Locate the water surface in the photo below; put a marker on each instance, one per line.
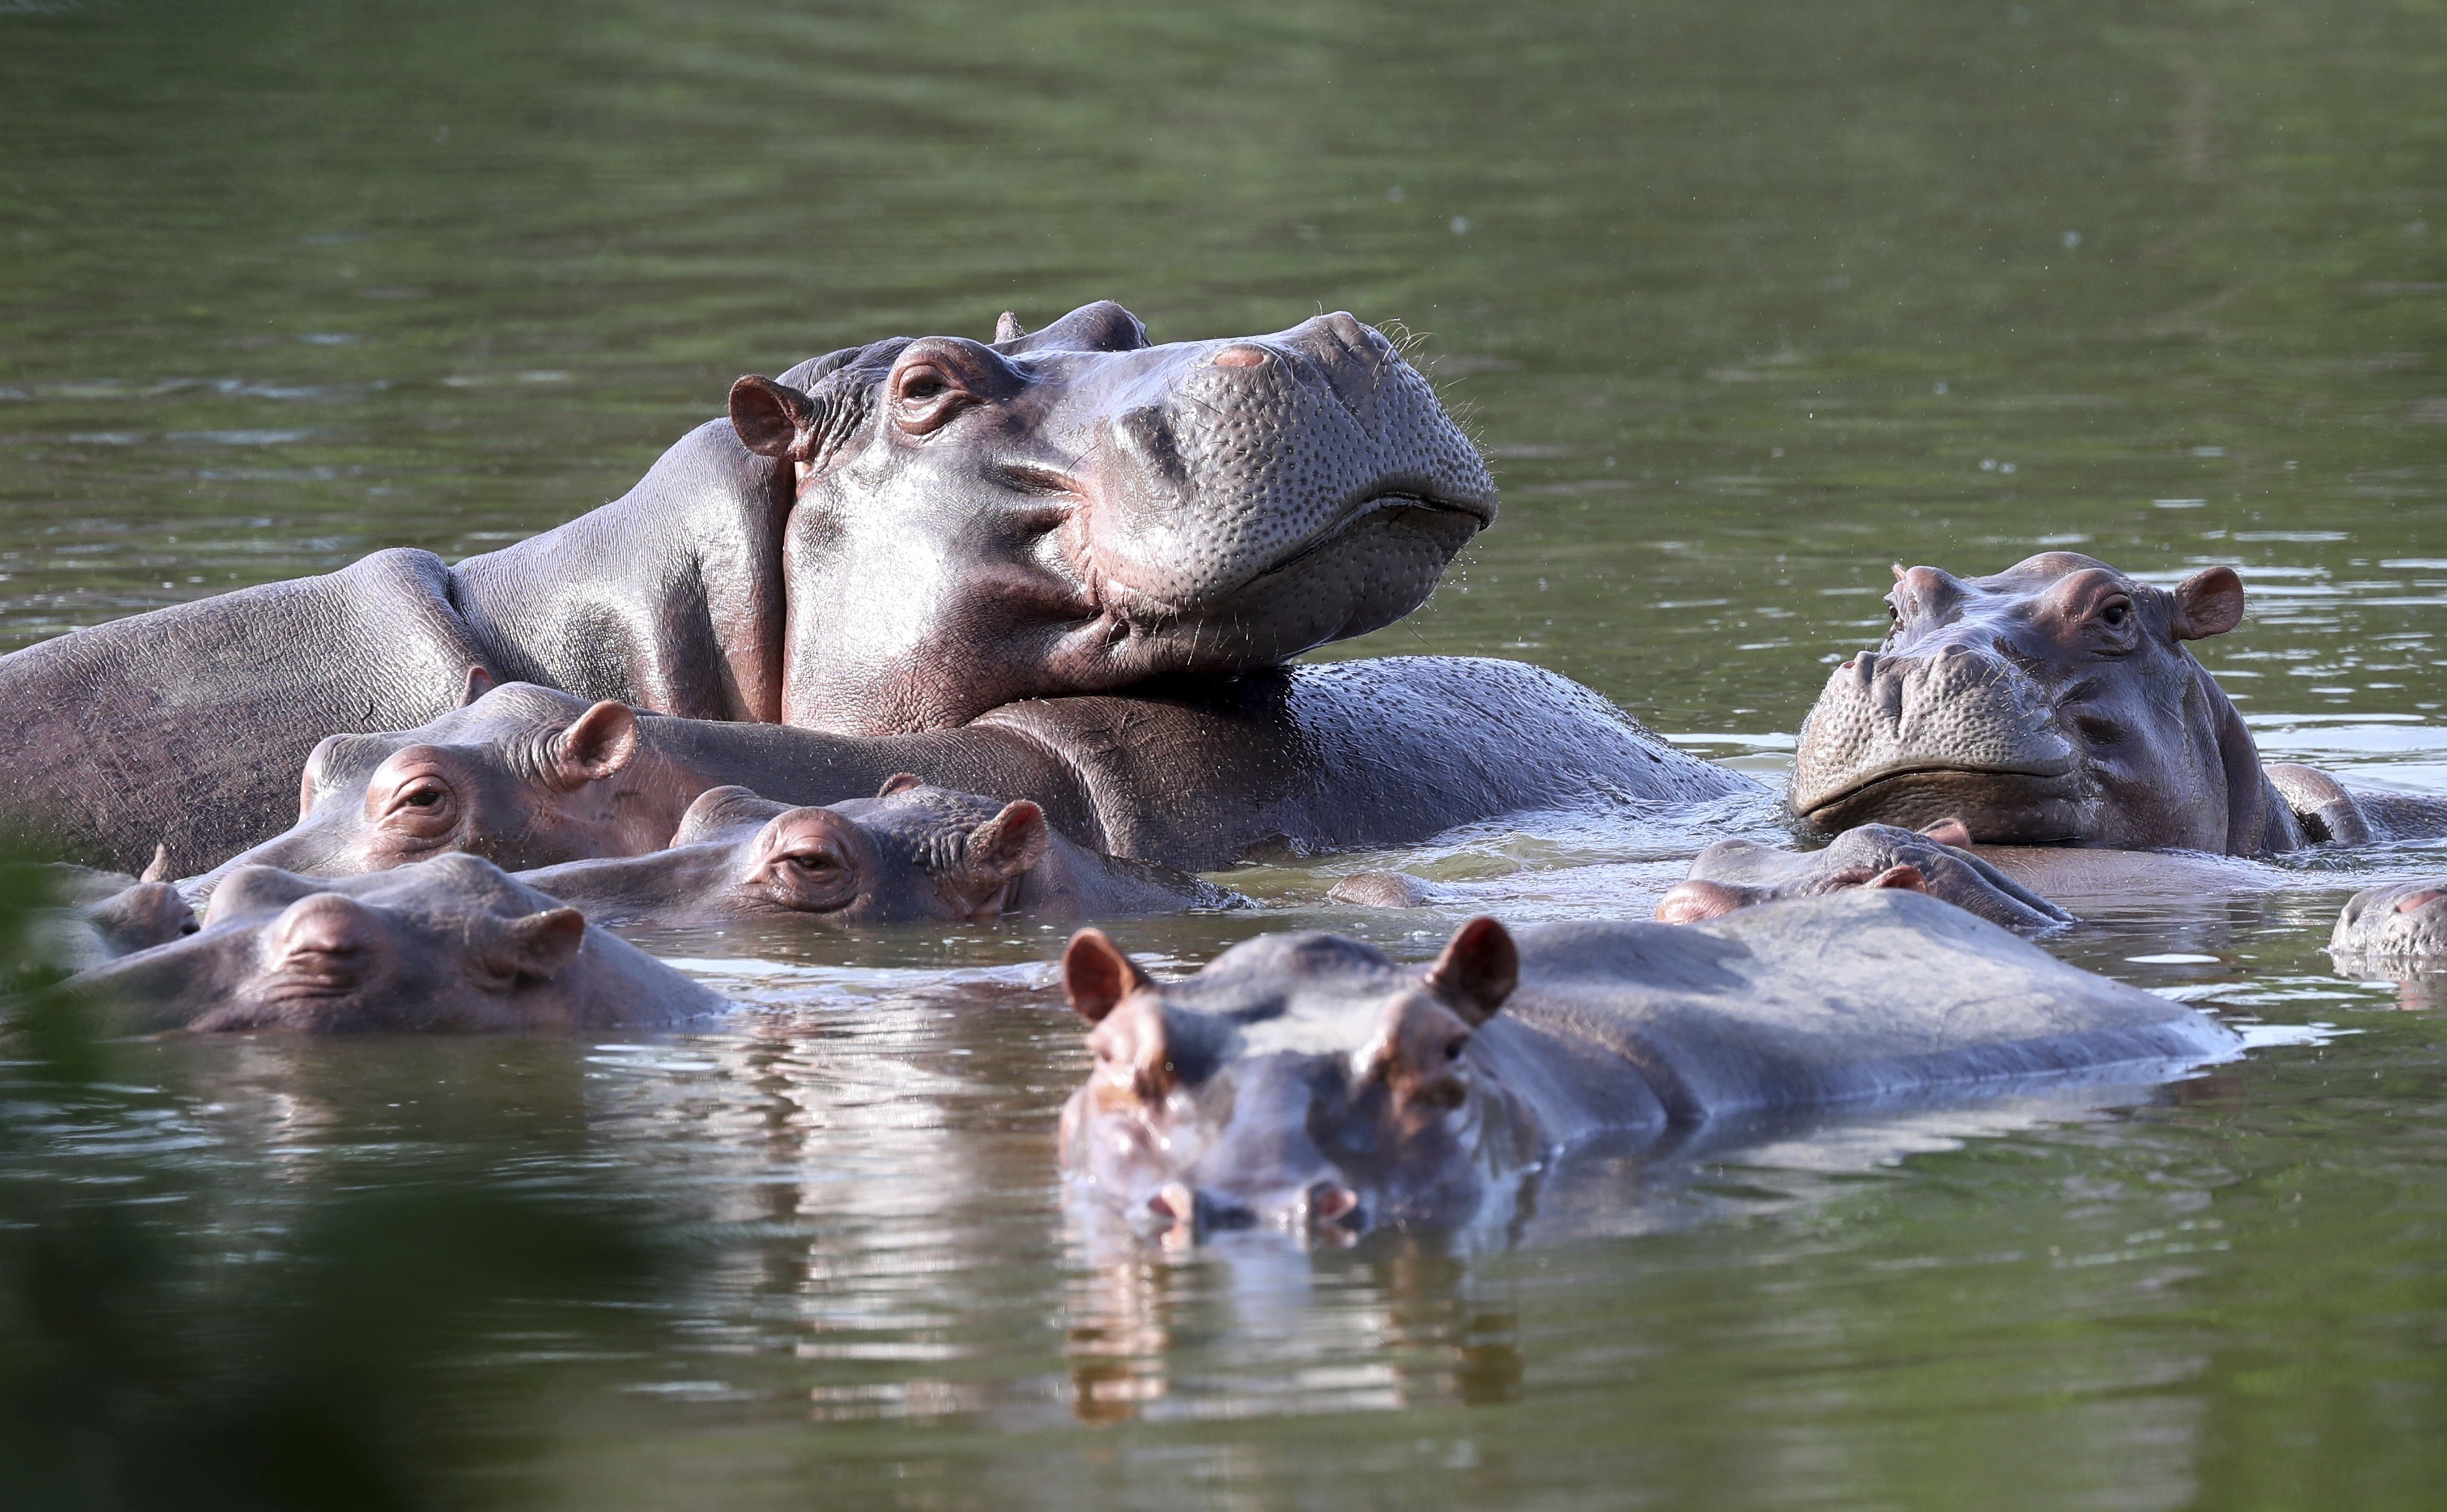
(1745, 304)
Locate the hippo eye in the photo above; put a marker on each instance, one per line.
(923, 384)
(424, 797)
(1452, 1052)
(815, 863)
(2114, 615)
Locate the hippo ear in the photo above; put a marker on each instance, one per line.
(900, 783)
(1690, 901)
(538, 947)
(480, 682)
(1101, 327)
(1949, 831)
(1478, 969)
(1006, 846)
(1007, 328)
(158, 869)
(1096, 974)
(772, 420)
(2208, 603)
(597, 744)
(1904, 877)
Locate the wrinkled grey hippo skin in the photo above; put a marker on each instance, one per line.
(2401, 921)
(2055, 702)
(897, 536)
(97, 916)
(911, 853)
(1318, 757)
(1736, 874)
(452, 944)
(1307, 1082)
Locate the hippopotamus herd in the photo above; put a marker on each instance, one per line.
(941, 630)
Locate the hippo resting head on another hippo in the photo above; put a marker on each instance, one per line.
(452, 943)
(894, 538)
(1307, 1082)
(2056, 703)
(911, 853)
(1095, 510)
(1734, 874)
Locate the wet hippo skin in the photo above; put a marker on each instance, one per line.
(2401, 923)
(449, 944)
(894, 538)
(1735, 873)
(2056, 703)
(1307, 1082)
(911, 853)
(1349, 753)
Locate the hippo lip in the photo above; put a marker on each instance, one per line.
(1482, 513)
(1816, 806)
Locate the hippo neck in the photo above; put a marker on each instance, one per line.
(669, 598)
(2258, 820)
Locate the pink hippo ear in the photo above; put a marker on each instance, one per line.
(1477, 972)
(480, 682)
(1009, 843)
(773, 420)
(1096, 974)
(1692, 900)
(1949, 831)
(597, 744)
(1904, 876)
(537, 947)
(900, 783)
(2208, 603)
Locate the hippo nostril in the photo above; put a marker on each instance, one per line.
(1242, 357)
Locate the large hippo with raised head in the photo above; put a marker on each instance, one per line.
(1307, 1082)
(893, 537)
(2054, 704)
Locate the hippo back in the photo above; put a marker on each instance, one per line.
(1858, 995)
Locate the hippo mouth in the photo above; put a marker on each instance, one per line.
(1394, 502)
(2023, 806)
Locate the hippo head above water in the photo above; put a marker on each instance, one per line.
(1079, 510)
(1301, 1082)
(450, 944)
(2053, 703)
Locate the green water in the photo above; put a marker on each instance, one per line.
(1745, 302)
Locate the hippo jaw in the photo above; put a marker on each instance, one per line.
(1095, 511)
(2051, 704)
(1248, 1098)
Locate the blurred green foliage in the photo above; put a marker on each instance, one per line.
(146, 1362)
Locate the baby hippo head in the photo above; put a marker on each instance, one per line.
(1736, 874)
(2406, 920)
(1300, 1082)
(523, 776)
(913, 853)
(453, 943)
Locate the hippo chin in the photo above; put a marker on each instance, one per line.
(910, 854)
(896, 537)
(1343, 754)
(1736, 874)
(450, 944)
(2056, 703)
(1305, 1082)
(2403, 922)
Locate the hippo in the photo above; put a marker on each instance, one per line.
(1309, 757)
(1307, 1082)
(453, 943)
(892, 538)
(1735, 873)
(2398, 922)
(2054, 704)
(96, 917)
(911, 853)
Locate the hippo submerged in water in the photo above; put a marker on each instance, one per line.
(1307, 1082)
(450, 944)
(911, 853)
(1346, 754)
(1736, 874)
(892, 538)
(2400, 923)
(2054, 704)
